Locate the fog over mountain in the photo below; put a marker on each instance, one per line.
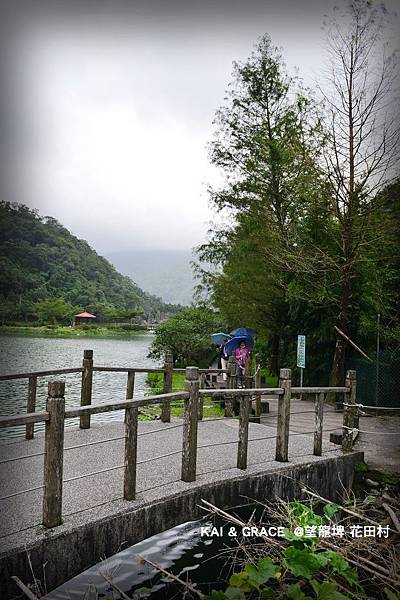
(165, 273)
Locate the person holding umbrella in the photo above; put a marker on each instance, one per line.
(222, 361)
(242, 354)
(219, 339)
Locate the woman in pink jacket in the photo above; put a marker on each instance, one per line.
(242, 353)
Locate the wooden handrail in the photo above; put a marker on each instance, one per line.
(94, 409)
(100, 369)
(203, 370)
(241, 391)
(130, 369)
(13, 420)
(319, 390)
(56, 414)
(40, 373)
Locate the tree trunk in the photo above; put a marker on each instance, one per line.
(339, 358)
(274, 364)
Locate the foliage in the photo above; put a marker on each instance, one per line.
(291, 256)
(268, 146)
(302, 571)
(43, 264)
(55, 310)
(187, 335)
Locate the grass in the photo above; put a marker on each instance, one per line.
(65, 332)
(156, 382)
(212, 409)
(270, 380)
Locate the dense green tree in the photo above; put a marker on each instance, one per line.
(267, 145)
(385, 255)
(187, 335)
(55, 310)
(294, 254)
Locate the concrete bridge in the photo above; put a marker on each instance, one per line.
(69, 498)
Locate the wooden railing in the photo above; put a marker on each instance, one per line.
(87, 370)
(192, 395)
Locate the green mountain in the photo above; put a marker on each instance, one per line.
(41, 260)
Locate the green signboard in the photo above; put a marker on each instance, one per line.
(301, 351)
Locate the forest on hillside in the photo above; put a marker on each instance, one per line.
(47, 274)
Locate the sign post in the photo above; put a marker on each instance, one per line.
(301, 355)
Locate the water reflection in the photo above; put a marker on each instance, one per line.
(178, 548)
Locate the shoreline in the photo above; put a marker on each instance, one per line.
(66, 332)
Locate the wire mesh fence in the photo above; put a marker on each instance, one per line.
(378, 382)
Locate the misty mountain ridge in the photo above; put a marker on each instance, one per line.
(41, 259)
(163, 273)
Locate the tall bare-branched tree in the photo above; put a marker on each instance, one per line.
(363, 138)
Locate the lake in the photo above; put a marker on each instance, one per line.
(26, 354)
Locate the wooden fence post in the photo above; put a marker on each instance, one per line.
(231, 384)
(319, 417)
(130, 385)
(282, 434)
(243, 432)
(201, 398)
(86, 389)
(168, 372)
(189, 447)
(131, 433)
(53, 455)
(349, 415)
(31, 406)
(247, 376)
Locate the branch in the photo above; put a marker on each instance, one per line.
(186, 584)
(25, 589)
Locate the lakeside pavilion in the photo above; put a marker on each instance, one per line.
(84, 317)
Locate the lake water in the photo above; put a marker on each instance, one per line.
(26, 354)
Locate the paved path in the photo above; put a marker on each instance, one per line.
(85, 490)
(24, 510)
(381, 443)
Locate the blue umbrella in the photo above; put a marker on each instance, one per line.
(234, 343)
(220, 338)
(244, 331)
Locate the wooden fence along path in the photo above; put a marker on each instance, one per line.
(192, 397)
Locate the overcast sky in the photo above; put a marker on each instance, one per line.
(108, 107)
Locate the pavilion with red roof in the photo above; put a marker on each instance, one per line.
(85, 316)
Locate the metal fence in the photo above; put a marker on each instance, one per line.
(378, 382)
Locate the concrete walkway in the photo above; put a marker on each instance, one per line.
(87, 489)
(379, 437)
(23, 511)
